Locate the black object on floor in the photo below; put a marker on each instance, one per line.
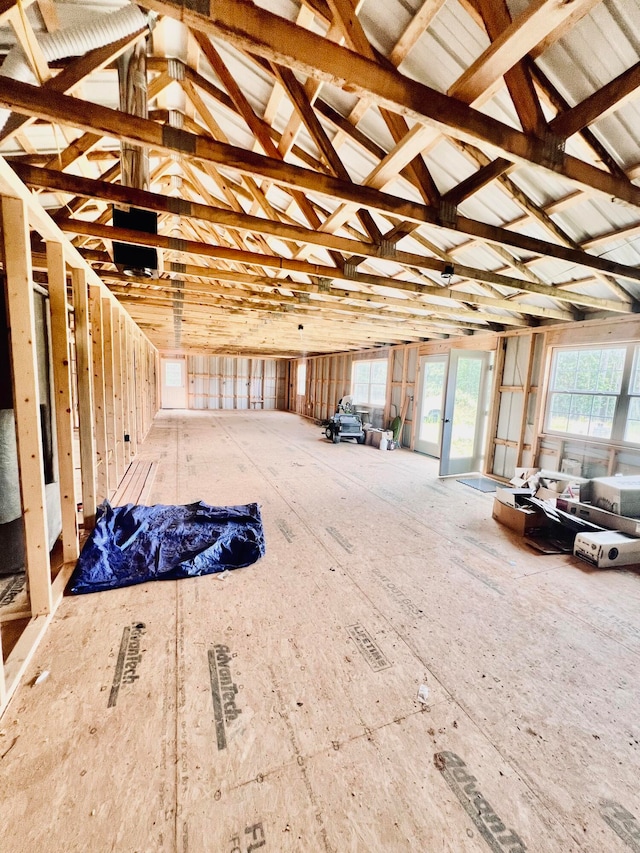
(550, 541)
(133, 544)
(482, 484)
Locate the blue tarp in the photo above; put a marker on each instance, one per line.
(133, 544)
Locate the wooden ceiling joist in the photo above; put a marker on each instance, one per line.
(173, 141)
(253, 29)
(279, 197)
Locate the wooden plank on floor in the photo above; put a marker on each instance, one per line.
(136, 484)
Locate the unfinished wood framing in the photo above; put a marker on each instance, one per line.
(21, 317)
(85, 396)
(63, 400)
(109, 393)
(118, 394)
(235, 383)
(99, 403)
(335, 189)
(77, 344)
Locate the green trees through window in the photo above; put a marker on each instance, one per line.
(591, 393)
(369, 382)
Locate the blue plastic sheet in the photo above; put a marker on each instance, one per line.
(134, 544)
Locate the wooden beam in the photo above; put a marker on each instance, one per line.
(100, 423)
(395, 323)
(334, 301)
(292, 265)
(250, 28)
(49, 15)
(9, 8)
(109, 394)
(540, 18)
(485, 175)
(73, 74)
(497, 20)
(85, 396)
(126, 389)
(237, 21)
(26, 399)
(60, 356)
(602, 103)
(346, 19)
(374, 199)
(560, 104)
(205, 283)
(118, 396)
(29, 44)
(418, 25)
(246, 111)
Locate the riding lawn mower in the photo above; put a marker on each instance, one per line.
(346, 423)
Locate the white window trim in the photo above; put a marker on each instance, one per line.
(301, 370)
(369, 403)
(623, 397)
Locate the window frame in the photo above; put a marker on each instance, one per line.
(301, 374)
(623, 398)
(369, 403)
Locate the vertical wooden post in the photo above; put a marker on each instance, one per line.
(541, 395)
(117, 393)
(126, 386)
(100, 421)
(85, 396)
(21, 315)
(526, 390)
(109, 407)
(3, 686)
(494, 409)
(133, 366)
(63, 406)
(263, 370)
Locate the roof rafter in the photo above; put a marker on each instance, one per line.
(77, 186)
(256, 30)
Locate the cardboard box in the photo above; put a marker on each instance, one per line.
(374, 436)
(522, 519)
(620, 495)
(607, 549)
(513, 497)
(610, 520)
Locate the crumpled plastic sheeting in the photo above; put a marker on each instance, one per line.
(134, 544)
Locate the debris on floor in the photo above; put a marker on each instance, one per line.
(133, 544)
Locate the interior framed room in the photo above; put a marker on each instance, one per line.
(247, 249)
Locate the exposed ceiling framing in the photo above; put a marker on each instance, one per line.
(330, 175)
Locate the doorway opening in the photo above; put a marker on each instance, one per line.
(454, 407)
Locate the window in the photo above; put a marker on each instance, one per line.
(632, 425)
(301, 378)
(595, 393)
(369, 382)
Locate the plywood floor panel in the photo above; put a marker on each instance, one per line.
(80, 772)
(378, 578)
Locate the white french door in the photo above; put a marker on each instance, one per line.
(433, 377)
(466, 409)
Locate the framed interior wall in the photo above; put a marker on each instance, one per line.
(592, 457)
(83, 395)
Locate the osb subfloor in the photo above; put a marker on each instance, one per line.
(378, 578)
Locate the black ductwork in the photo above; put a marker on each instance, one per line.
(129, 258)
